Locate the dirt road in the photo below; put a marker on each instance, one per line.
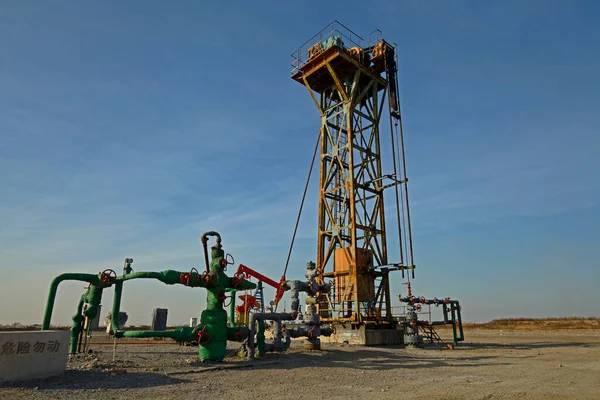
(490, 365)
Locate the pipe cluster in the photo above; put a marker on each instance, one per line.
(278, 344)
(211, 334)
(451, 312)
(311, 328)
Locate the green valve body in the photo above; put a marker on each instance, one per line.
(92, 296)
(215, 316)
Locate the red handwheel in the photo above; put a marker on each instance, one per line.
(203, 337)
(108, 276)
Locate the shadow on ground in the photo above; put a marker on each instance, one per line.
(355, 358)
(394, 357)
(361, 359)
(80, 380)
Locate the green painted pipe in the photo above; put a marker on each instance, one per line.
(260, 338)
(90, 278)
(454, 324)
(76, 328)
(168, 277)
(114, 318)
(181, 334)
(232, 307)
(93, 297)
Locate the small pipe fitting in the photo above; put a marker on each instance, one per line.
(204, 240)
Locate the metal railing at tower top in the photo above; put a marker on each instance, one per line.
(329, 34)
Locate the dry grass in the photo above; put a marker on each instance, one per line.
(530, 324)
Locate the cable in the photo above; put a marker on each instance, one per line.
(395, 157)
(404, 226)
(406, 193)
(312, 163)
(403, 220)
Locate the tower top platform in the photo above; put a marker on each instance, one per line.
(342, 50)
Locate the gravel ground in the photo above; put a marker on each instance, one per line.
(490, 365)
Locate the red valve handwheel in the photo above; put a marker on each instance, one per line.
(108, 276)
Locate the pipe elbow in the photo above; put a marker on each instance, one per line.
(205, 235)
(327, 331)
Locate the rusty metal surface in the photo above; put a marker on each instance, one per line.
(314, 46)
(350, 223)
(346, 84)
(319, 78)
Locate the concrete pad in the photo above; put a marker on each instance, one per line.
(375, 337)
(32, 354)
(365, 336)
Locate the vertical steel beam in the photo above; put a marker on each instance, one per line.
(351, 208)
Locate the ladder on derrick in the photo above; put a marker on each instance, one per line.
(260, 296)
(430, 334)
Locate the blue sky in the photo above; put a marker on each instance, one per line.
(129, 128)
